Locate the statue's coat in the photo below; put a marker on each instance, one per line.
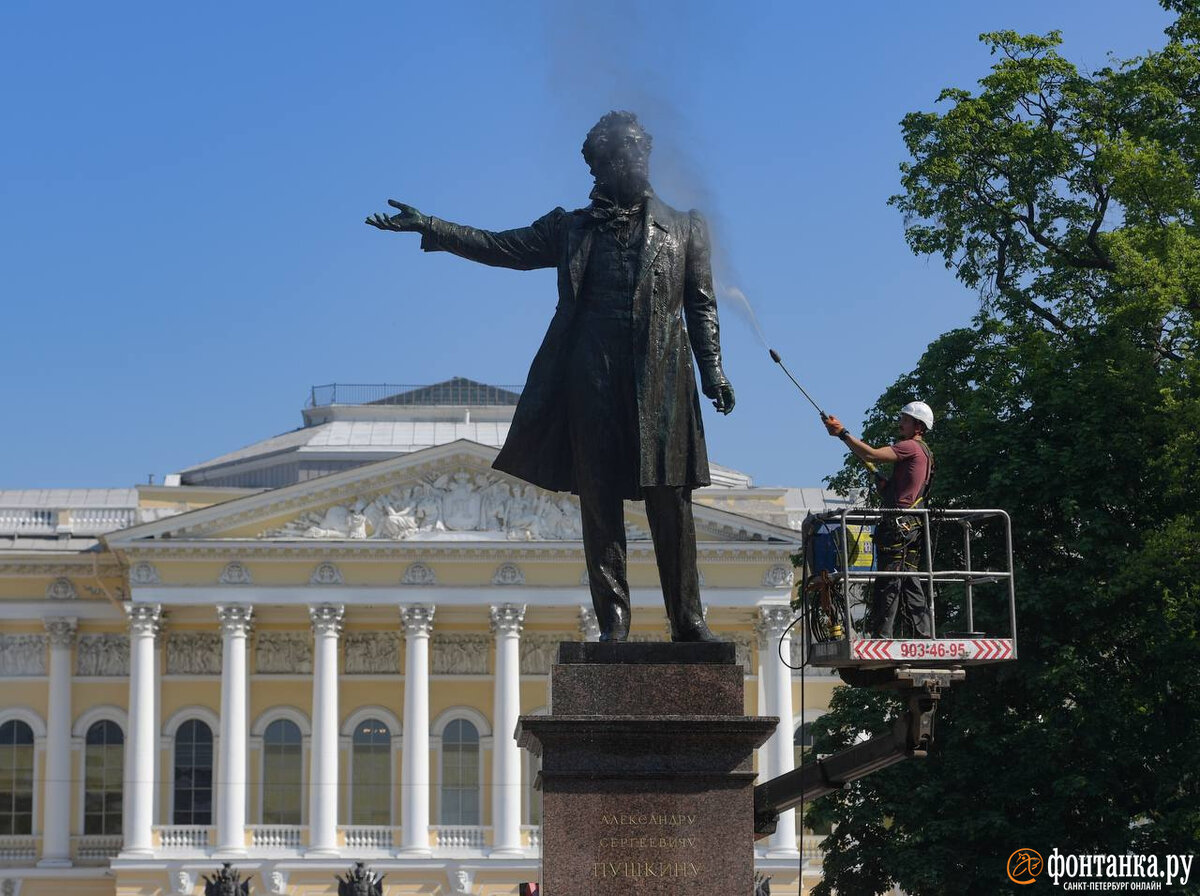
(674, 285)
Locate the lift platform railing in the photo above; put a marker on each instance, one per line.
(846, 580)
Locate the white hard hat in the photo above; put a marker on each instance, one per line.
(919, 410)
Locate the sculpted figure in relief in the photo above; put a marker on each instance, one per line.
(22, 654)
(370, 653)
(460, 655)
(284, 653)
(193, 653)
(102, 655)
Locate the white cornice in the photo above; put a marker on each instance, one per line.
(371, 551)
(439, 595)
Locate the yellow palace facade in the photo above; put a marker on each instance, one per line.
(313, 651)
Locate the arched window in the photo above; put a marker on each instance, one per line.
(193, 773)
(16, 778)
(371, 773)
(103, 770)
(460, 773)
(282, 762)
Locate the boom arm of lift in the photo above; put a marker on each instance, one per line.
(911, 735)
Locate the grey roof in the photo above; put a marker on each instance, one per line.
(381, 437)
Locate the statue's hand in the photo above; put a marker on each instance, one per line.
(408, 220)
(721, 392)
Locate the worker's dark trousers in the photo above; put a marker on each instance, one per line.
(669, 510)
(898, 543)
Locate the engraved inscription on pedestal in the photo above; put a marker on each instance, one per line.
(649, 845)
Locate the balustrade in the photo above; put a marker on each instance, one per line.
(276, 836)
(183, 836)
(95, 848)
(368, 836)
(459, 837)
(18, 848)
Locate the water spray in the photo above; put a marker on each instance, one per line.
(824, 417)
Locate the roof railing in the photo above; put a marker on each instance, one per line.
(462, 392)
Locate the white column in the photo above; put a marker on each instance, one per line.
(323, 774)
(56, 824)
(235, 622)
(773, 622)
(141, 757)
(414, 793)
(506, 755)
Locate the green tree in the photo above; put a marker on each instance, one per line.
(1071, 203)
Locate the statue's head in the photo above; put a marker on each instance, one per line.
(617, 150)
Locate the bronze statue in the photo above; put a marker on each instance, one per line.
(360, 881)
(610, 410)
(226, 882)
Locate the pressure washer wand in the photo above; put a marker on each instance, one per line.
(778, 360)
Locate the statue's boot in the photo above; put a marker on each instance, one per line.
(614, 623)
(687, 619)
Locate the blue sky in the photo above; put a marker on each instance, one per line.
(182, 190)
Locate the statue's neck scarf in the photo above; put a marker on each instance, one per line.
(606, 213)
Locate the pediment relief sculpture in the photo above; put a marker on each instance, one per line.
(443, 506)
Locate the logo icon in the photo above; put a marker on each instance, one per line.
(1024, 866)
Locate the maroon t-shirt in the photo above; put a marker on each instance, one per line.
(908, 474)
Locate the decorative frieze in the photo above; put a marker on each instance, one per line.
(194, 653)
(508, 574)
(460, 654)
(22, 655)
(144, 573)
(540, 652)
(235, 573)
(778, 576)
(326, 574)
(61, 589)
(743, 651)
(283, 653)
(372, 653)
(104, 654)
(418, 574)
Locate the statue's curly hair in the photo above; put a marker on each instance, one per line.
(595, 145)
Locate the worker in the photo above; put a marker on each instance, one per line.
(899, 537)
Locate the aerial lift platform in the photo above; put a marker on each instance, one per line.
(837, 574)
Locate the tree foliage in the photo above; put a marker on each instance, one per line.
(1071, 202)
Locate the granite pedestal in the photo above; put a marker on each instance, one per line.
(647, 782)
